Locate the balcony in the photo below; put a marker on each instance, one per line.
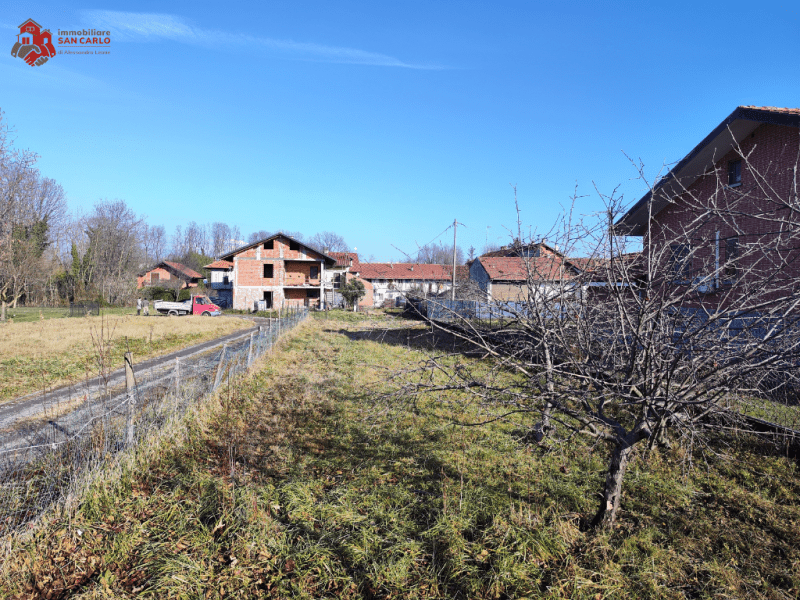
(300, 280)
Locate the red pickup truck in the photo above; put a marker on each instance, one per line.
(196, 305)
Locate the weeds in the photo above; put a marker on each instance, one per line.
(293, 485)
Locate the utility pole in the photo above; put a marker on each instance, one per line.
(453, 289)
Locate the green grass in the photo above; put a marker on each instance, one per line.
(25, 314)
(298, 483)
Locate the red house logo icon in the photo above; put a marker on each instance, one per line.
(34, 44)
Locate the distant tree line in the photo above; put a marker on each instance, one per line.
(48, 256)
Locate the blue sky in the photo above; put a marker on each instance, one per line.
(384, 121)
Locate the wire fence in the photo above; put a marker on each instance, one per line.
(46, 460)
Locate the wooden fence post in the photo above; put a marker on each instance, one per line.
(130, 386)
(220, 367)
(250, 351)
(177, 379)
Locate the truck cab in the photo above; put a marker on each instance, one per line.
(201, 305)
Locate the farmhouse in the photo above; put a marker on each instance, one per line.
(393, 280)
(514, 278)
(719, 216)
(170, 274)
(275, 272)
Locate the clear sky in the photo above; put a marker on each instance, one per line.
(383, 121)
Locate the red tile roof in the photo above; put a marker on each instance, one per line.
(184, 270)
(220, 264)
(343, 259)
(406, 271)
(510, 268)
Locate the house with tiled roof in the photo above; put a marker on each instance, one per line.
(513, 278)
(391, 281)
(275, 272)
(726, 198)
(346, 266)
(169, 273)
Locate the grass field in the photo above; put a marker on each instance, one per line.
(27, 314)
(47, 353)
(298, 482)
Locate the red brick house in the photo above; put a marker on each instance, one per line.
(169, 273)
(725, 209)
(278, 270)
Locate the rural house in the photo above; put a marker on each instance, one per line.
(719, 216)
(393, 280)
(279, 271)
(337, 275)
(220, 282)
(511, 278)
(169, 274)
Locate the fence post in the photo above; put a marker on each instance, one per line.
(130, 386)
(250, 351)
(177, 379)
(220, 367)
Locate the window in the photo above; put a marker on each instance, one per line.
(337, 281)
(312, 293)
(268, 271)
(313, 272)
(294, 245)
(154, 277)
(225, 280)
(731, 254)
(734, 172)
(270, 245)
(680, 261)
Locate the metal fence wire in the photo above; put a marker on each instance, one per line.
(46, 461)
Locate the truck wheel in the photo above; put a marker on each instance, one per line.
(206, 314)
(173, 313)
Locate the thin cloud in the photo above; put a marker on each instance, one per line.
(153, 27)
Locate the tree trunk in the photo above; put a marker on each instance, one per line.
(3, 310)
(607, 513)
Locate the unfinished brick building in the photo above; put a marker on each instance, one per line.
(278, 270)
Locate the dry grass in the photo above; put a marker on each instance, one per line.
(49, 353)
(293, 483)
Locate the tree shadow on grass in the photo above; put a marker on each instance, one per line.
(297, 436)
(415, 338)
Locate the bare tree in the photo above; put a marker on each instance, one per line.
(258, 235)
(31, 209)
(192, 238)
(220, 238)
(634, 349)
(330, 241)
(439, 254)
(114, 250)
